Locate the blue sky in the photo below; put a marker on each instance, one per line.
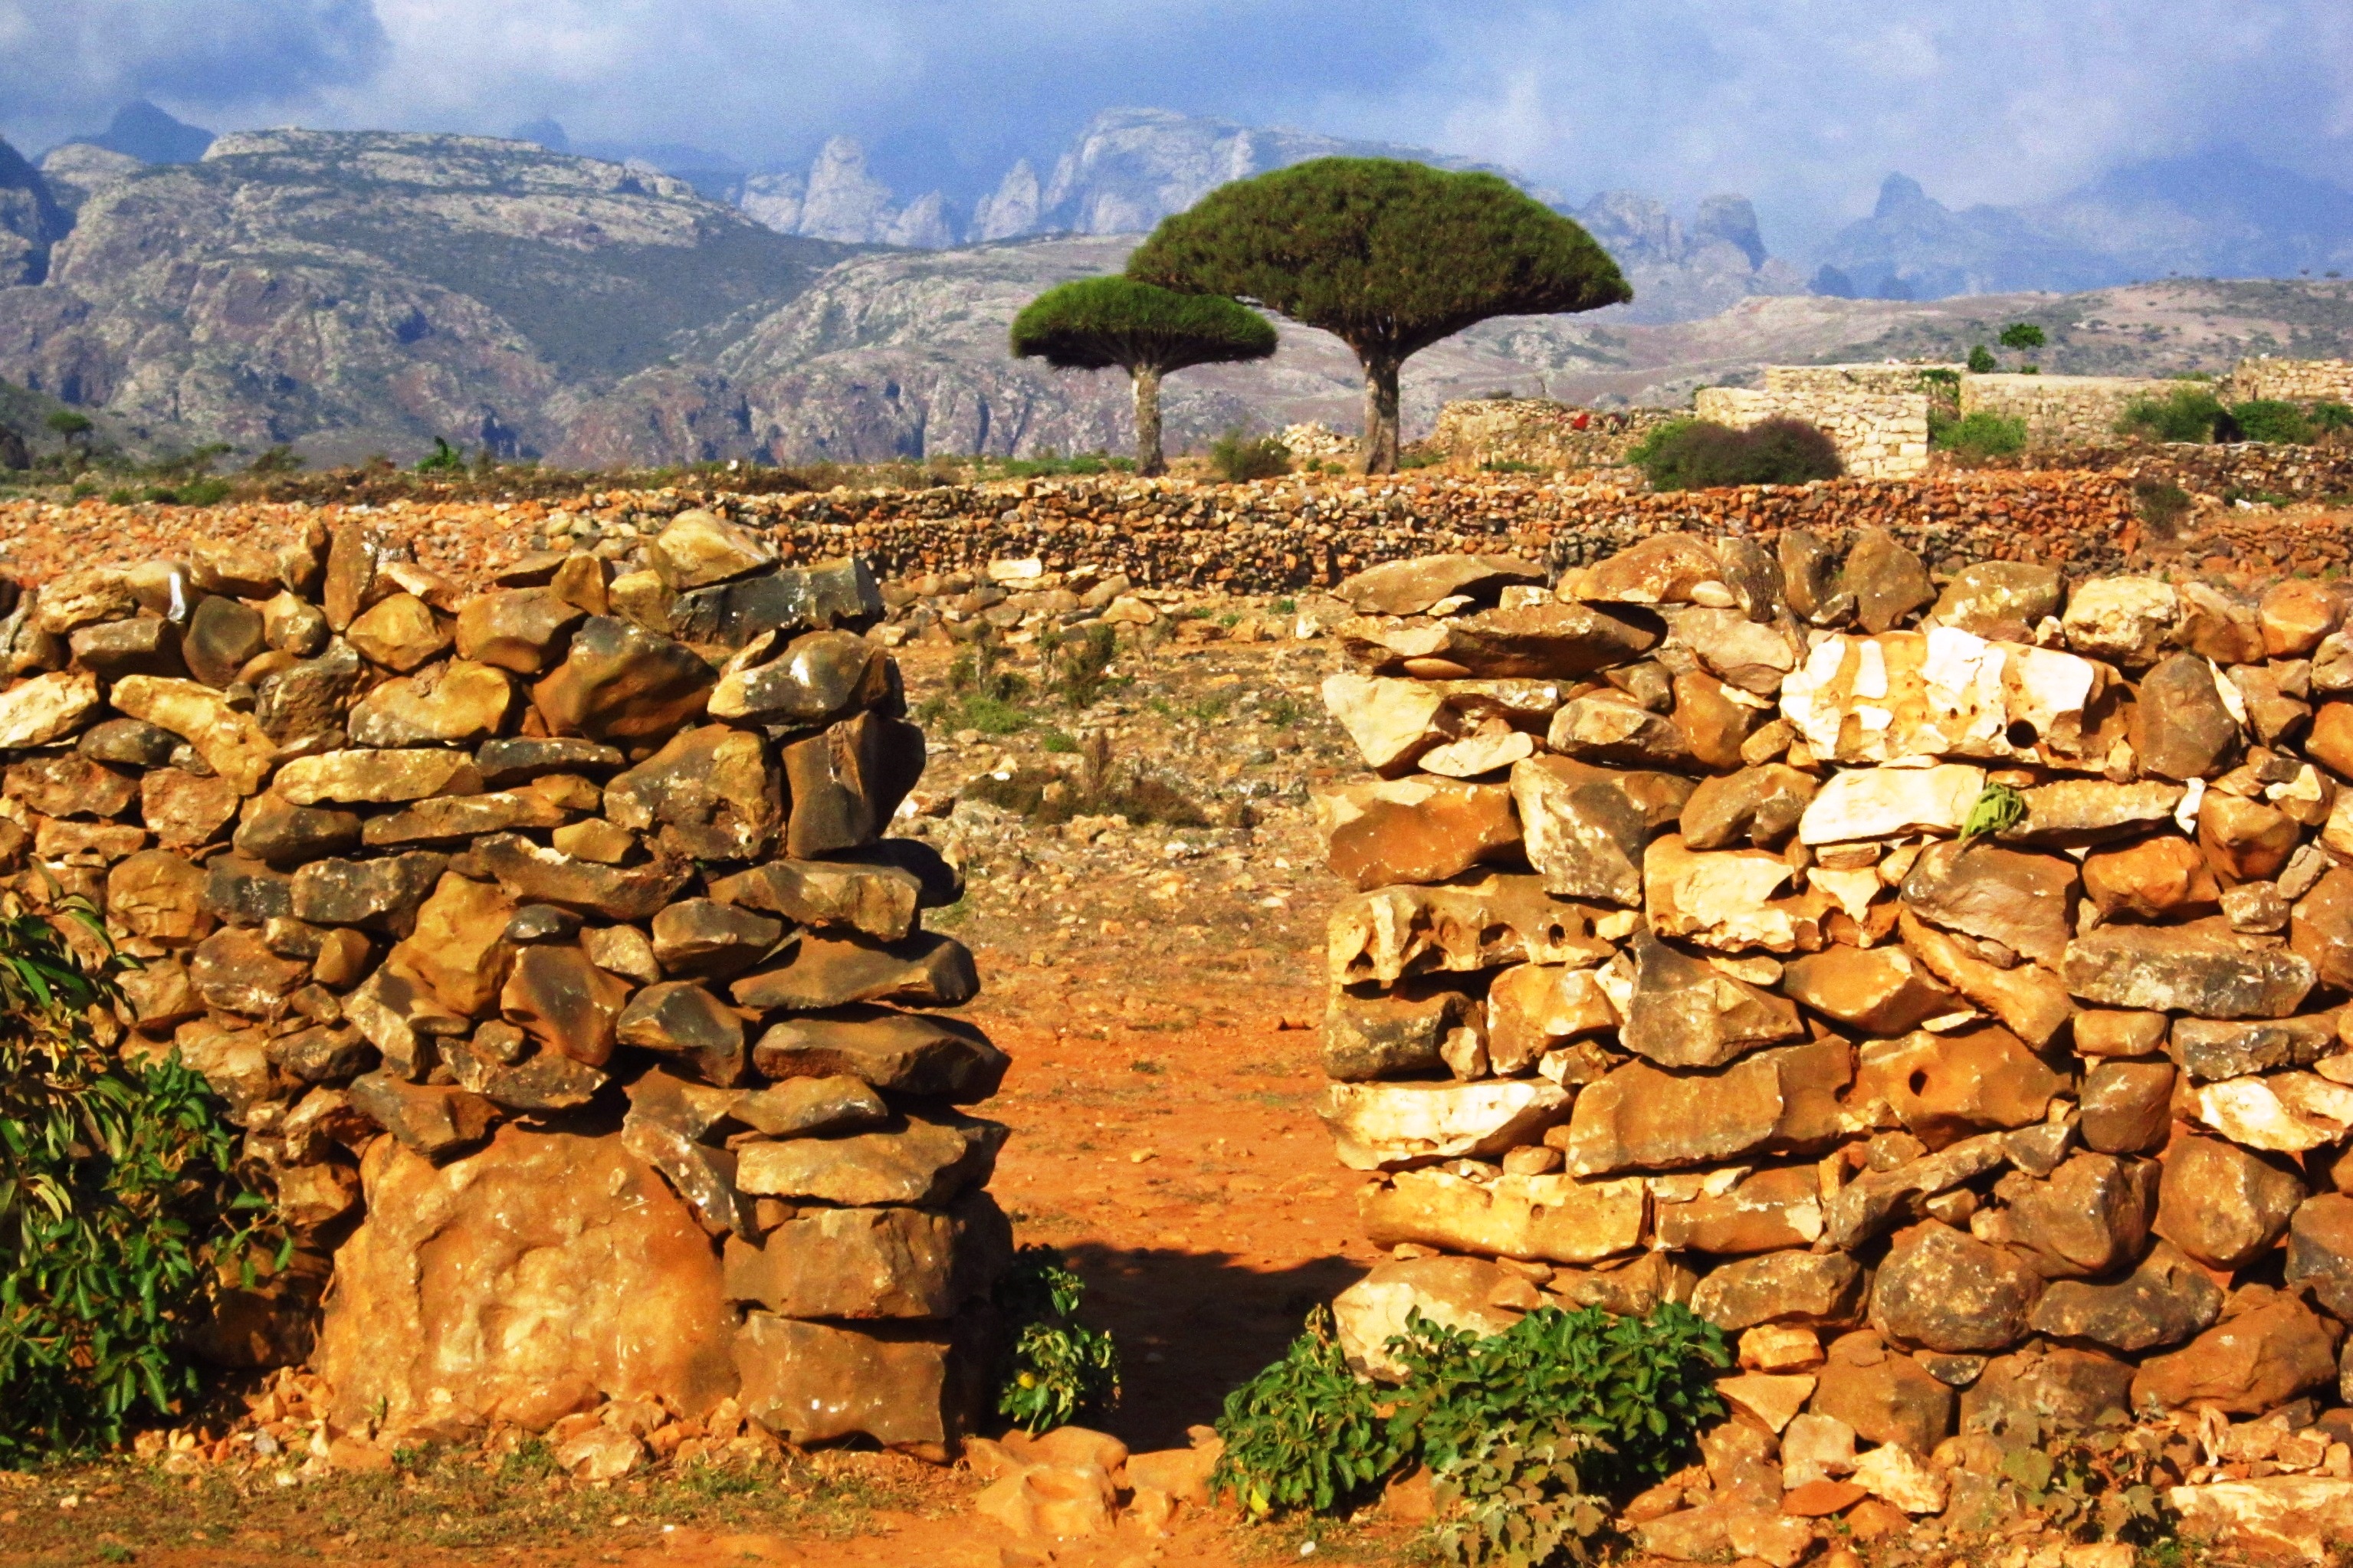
(1803, 104)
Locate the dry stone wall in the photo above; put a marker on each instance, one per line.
(2060, 410)
(1284, 535)
(1542, 433)
(2289, 381)
(547, 946)
(1879, 435)
(1942, 989)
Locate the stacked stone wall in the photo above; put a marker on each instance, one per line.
(2060, 410)
(1879, 435)
(546, 945)
(2289, 381)
(1942, 988)
(1544, 434)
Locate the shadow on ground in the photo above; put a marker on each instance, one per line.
(1213, 1320)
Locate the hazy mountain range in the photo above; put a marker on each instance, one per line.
(353, 292)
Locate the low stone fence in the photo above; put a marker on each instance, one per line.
(2235, 469)
(2060, 410)
(1543, 434)
(561, 980)
(2289, 381)
(1943, 992)
(1879, 435)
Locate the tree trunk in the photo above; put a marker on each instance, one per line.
(1149, 460)
(1380, 447)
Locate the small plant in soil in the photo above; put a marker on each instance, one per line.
(1057, 1369)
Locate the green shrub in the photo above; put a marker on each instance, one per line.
(1697, 454)
(1306, 1433)
(1518, 1505)
(1525, 1431)
(2329, 417)
(443, 459)
(1057, 1369)
(2188, 412)
(116, 1203)
(2273, 422)
(1237, 458)
(1642, 1385)
(1981, 361)
(2022, 335)
(2161, 505)
(1982, 434)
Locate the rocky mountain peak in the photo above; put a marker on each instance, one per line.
(31, 221)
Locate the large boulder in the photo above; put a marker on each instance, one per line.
(519, 1285)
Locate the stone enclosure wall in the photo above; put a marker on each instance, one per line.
(1879, 435)
(2289, 381)
(546, 945)
(1541, 433)
(2060, 410)
(1689, 959)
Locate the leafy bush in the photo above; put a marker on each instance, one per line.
(1981, 361)
(1698, 454)
(1518, 1505)
(2188, 412)
(1982, 434)
(2273, 421)
(2329, 417)
(443, 459)
(2161, 505)
(2022, 335)
(1238, 457)
(1525, 1431)
(116, 1202)
(1642, 1386)
(1306, 1433)
(1057, 1368)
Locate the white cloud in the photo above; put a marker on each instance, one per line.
(1803, 103)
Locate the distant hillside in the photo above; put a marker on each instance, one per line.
(2220, 214)
(360, 290)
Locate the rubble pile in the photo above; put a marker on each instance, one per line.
(546, 944)
(1943, 991)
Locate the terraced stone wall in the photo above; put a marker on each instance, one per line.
(548, 947)
(1939, 986)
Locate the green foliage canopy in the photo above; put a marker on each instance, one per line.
(1094, 323)
(2022, 335)
(1389, 257)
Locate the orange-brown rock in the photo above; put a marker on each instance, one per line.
(2244, 840)
(1946, 1087)
(563, 1001)
(460, 945)
(2155, 878)
(2222, 1205)
(1416, 829)
(1944, 1288)
(2268, 1348)
(565, 1272)
(1882, 1394)
(1881, 991)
